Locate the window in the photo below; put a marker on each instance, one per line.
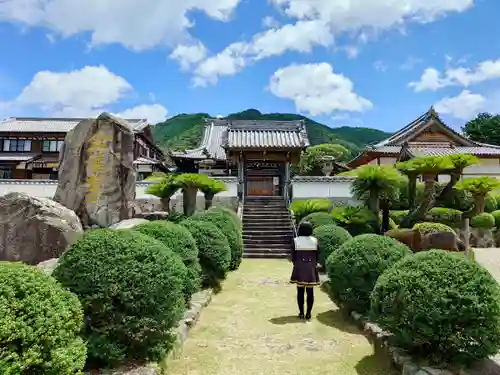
(52, 146)
(15, 145)
(6, 174)
(151, 153)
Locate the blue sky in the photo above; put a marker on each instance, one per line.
(342, 62)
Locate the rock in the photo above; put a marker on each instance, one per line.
(96, 172)
(33, 230)
(128, 223)
(152, 216)
(48, 266)
(409, 368)
(442, 240)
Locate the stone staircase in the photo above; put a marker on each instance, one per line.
(267, 228)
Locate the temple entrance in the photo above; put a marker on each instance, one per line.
(260, 185)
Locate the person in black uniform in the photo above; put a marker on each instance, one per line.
(305, 269)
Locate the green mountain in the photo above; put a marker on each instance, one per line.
(185, 131)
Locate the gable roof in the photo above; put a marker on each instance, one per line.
(222, 134)
(418, 126)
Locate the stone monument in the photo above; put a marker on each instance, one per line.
(96, 171)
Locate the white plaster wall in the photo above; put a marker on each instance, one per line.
(321, 187)
(388, 161)
(47, 188)
(486, 167)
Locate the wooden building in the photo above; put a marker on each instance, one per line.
(258, 152)
(428, 135)
(29, 147)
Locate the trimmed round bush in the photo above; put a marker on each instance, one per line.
(426, 228)
(130, 287)
(439, 306)
(213, 251)
(484, 221)
(398, 215)
(39, 324)
(356, 220)
(226, 225)
(318, 219)
(330, 237)
(302, 208)
(490, 203)
(355, 266)
(230, 213)
(447, 216)
(496, 216)
(178, 239)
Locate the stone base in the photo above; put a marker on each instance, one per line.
(481, 238)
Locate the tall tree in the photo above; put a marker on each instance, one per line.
(165, 187)
(479, 188)
(312, 160)
(484, 128)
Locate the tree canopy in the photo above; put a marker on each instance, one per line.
(484, 128)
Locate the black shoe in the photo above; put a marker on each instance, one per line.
(301, 316)
(308, 316)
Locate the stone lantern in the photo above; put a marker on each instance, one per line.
(328, 164)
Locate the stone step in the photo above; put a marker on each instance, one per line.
(267, 218)
(265, 208)
(266, 245)
(267, 226)
(275, 231)
(264, 250)
(268, 238)
(265, 255)
(260, 214)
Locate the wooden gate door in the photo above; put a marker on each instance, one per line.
(260, 185)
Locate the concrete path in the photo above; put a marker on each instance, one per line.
(489, 259)
(251, 328)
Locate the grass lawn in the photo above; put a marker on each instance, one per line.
(251, 328)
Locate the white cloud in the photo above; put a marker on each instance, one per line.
(188, 55)
(299, 37)
(380, 15)
(154, 113)
(270, 22)
(380, 66)
(410, 63)
(433, 80)
(81, 93)
(316, 89)
(464, 106)
(136, 24)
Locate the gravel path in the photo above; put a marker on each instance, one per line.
(489, 259)
(251, 328)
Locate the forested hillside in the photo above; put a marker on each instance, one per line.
(184, 131)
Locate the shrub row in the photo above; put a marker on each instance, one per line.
(115, 296)
(438, 305)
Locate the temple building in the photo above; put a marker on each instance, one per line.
(29, 147)
(258, 152)
(428, 135)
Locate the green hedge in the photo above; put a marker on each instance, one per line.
(490, 203)
(231, 230)
(230, 213)
(130, 287)
(178, 239)
(213, 251)
(398, 215)
(496, 216)
(426, 228)
(330, 237)
(40, 324)
(484, 220)
(355, 266)
(447, 216)
(439, 306)
(356, 220)
(302, 208)
(318, 219)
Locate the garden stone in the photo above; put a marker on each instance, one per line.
(129, 223)
(409, 368)
(96, 173)
(33, 230)
(152, 216)
(48, 266)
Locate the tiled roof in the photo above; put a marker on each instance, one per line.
(441, 150)
(12, 156)
(143, 160)
(220, 134)
(266, 134)
(52, 125)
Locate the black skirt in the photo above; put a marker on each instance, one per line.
(305, 272)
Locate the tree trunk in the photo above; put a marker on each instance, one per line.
(479, 202)
(189, 200)
(428, 201)
(385, 217)
(446, 194)
(374, 202)
(412, 191)
(165, 204)
(209, 198)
